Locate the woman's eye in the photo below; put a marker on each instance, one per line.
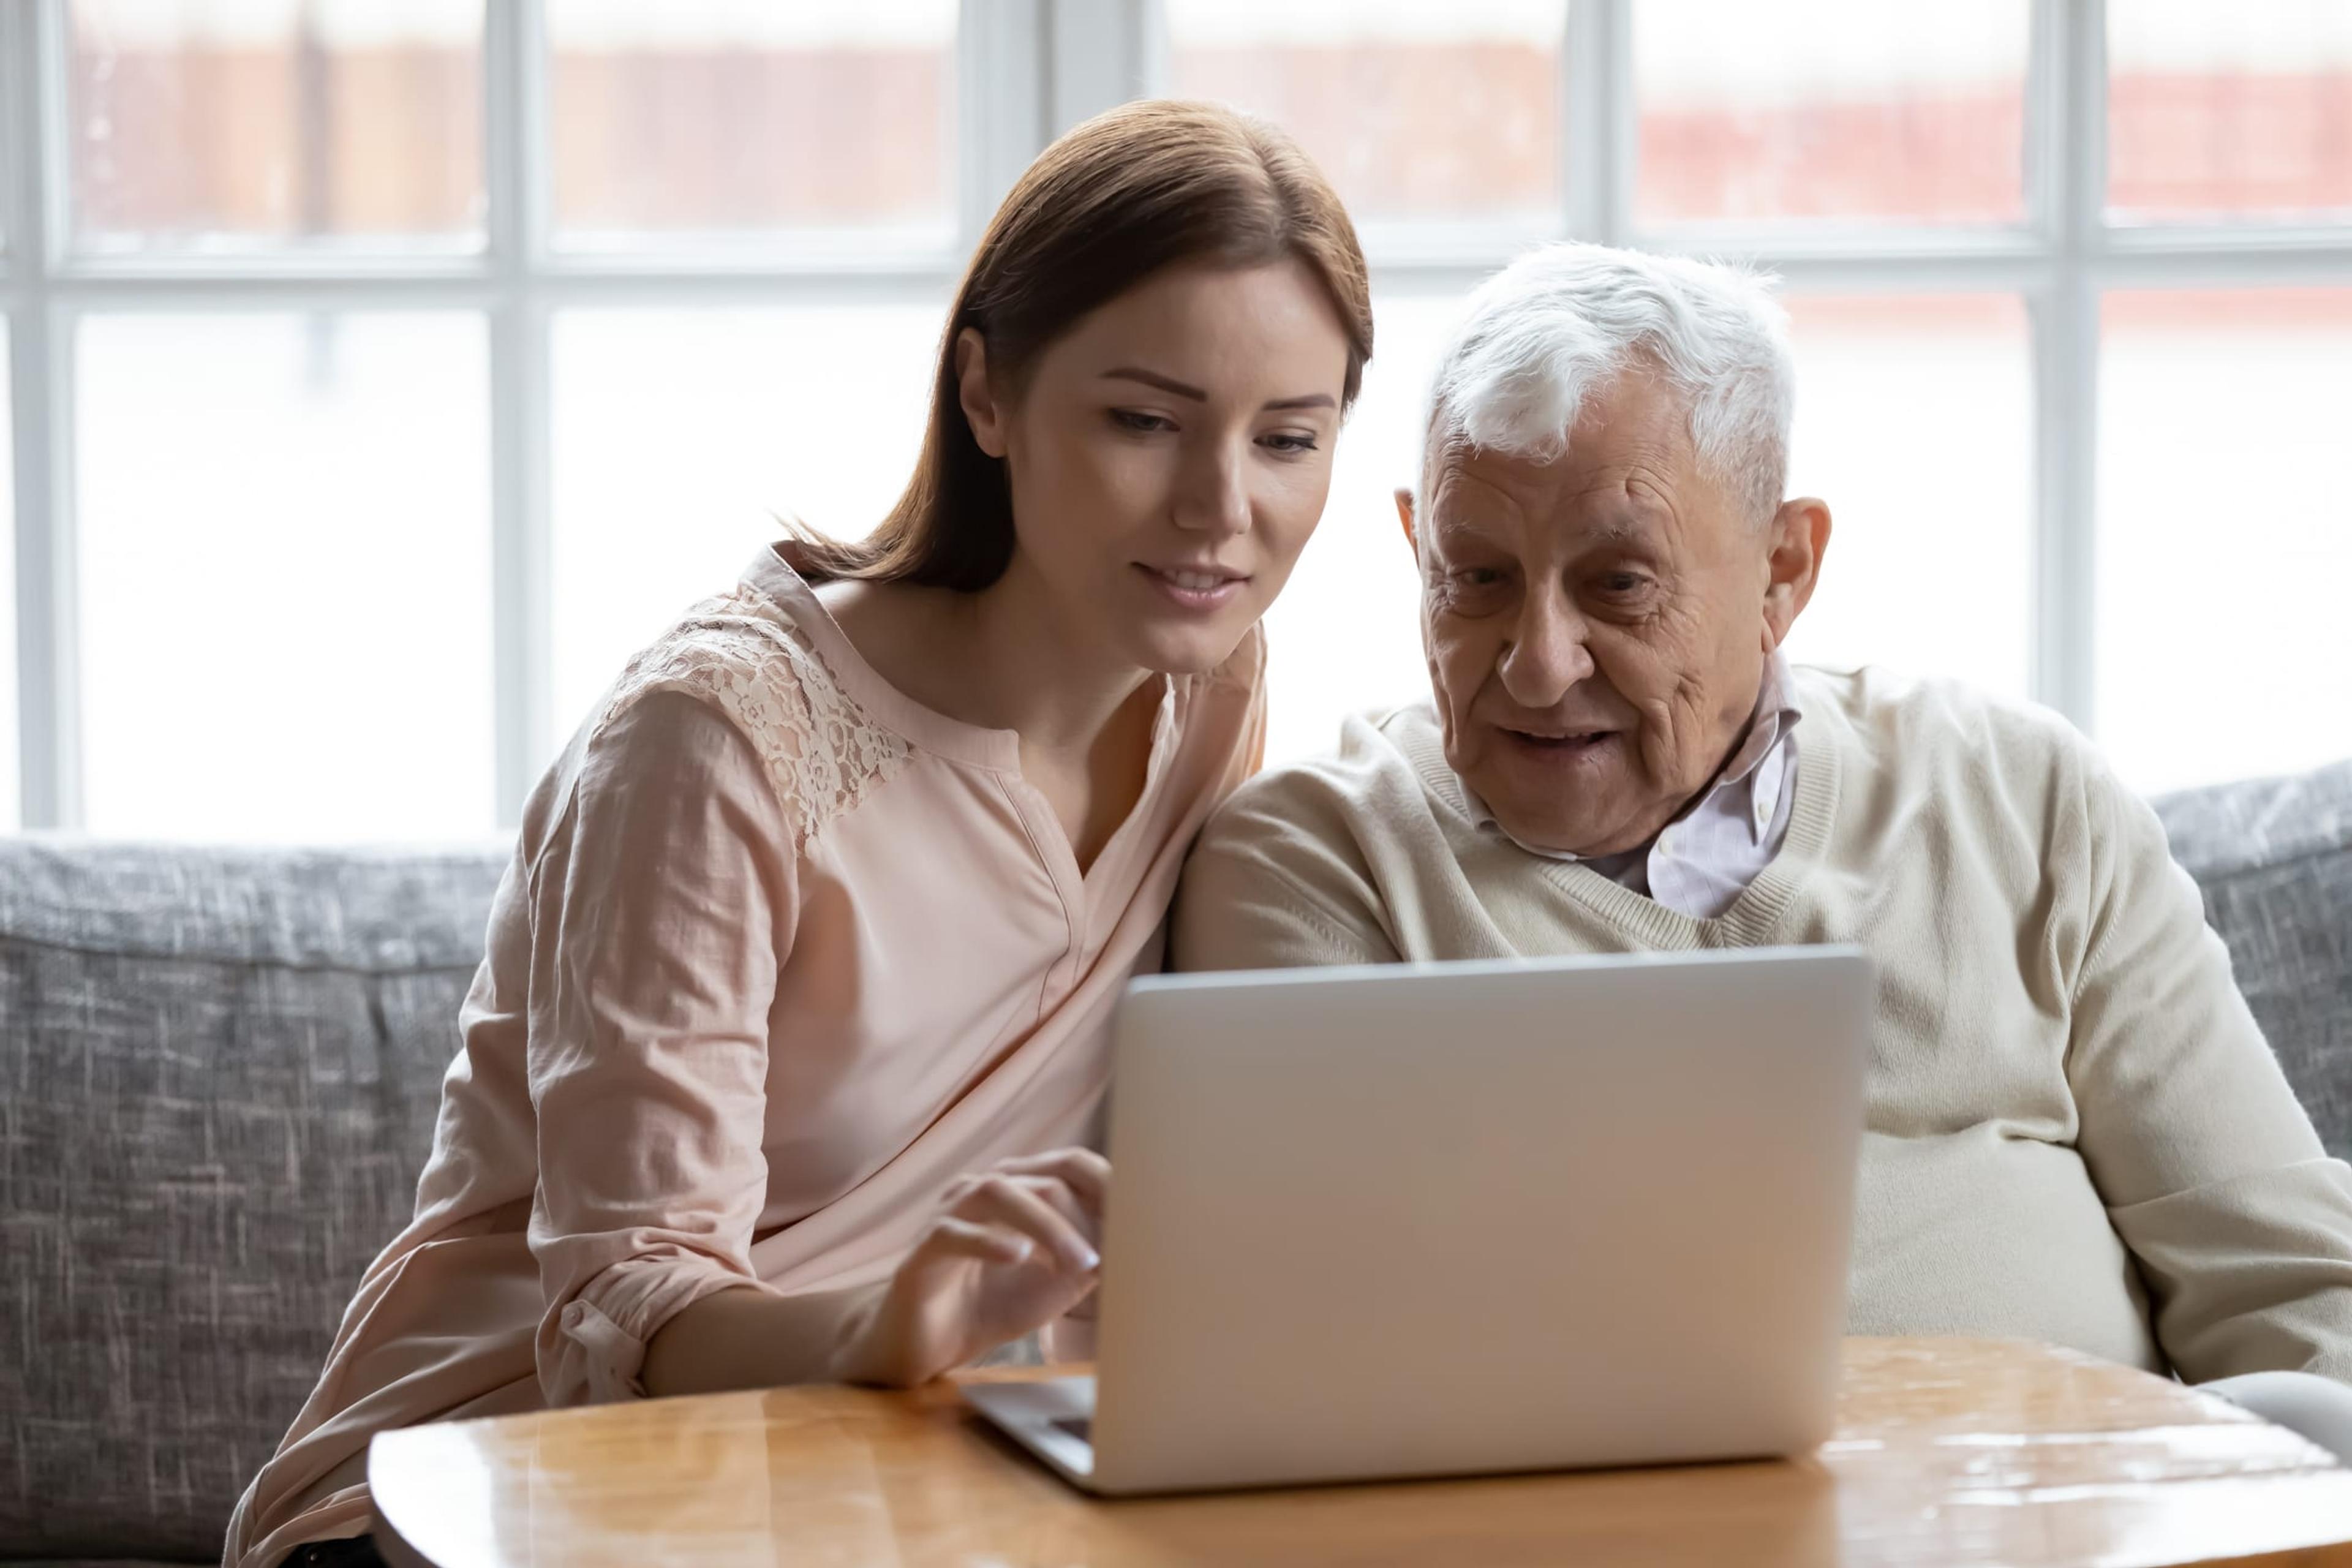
(1622, 583)
(1290, 441)
(1134, 419)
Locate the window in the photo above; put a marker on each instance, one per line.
(271, 123)
(2224, 531)
(717, 120)
(1830, 110)
(385, 371)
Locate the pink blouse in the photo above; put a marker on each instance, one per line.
(780, 953)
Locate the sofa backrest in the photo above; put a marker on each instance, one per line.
(2274, 859)
(218, 1074)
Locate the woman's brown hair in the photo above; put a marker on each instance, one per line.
(1142, 187)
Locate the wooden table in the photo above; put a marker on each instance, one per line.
(1949, 1451)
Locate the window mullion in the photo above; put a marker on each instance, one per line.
(1100, 52)
(515, 178)
(2067, 137)
(1003, 85)
(1597, 121)
(41, 391)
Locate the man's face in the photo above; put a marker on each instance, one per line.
(1597, 625)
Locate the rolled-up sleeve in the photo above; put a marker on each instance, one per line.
(661, 913)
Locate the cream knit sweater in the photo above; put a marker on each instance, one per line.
(2075, 1130)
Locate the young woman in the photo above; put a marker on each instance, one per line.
(790, 1036)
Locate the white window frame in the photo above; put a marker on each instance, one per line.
(1028, 69)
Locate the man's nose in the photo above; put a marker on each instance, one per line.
(1213, 491)
(1547, 654)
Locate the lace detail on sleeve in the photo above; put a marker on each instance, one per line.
(821, 753)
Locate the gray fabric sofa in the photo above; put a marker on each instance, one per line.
(218, 1071)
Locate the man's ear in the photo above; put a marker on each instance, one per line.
(1404, 516)
(1801, 538)
(973, 391)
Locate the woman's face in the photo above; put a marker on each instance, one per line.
(1169, 457)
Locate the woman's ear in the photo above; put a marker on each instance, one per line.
(973, 391)
(1801, 538)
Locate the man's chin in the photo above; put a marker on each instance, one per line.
(1535, 828)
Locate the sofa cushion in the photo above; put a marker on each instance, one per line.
(2274, 859)
(218, 1074)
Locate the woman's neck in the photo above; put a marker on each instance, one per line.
(1000, 659)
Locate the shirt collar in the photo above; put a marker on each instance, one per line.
(1769, 724)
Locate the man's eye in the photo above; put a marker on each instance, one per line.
(1624, 583)
(1478, 576)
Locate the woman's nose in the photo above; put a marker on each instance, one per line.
(1212, 496)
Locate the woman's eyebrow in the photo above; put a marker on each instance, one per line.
(1153, 378)
(1181, 389)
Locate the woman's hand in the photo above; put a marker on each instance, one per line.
(1012, 1249)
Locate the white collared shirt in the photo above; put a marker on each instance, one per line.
(1705, 858)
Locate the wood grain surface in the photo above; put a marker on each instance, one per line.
(1947, 1451)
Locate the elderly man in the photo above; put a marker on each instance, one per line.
(2075, 1130)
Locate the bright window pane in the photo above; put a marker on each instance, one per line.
(1851, 110)
(2225, 533)
(242, 124)
(1414, 110)
(1346, 634)
(681, 436)
(2219, 112)
(716, 117)
(1914, 417)
(285, 576)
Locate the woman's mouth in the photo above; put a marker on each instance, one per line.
(1194, 587)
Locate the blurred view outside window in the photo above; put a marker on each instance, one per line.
(1415, 111)
(728, 117)
(294, 524)
(1345, 633)
(248, 124)
(1850, 110)
(2229, 113)
(2225, 531)
(285, 574)
(1914, 424)
(813, 411)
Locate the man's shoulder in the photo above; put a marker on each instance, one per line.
(1377, 766)
(1899, 716)
(2009, 764)
(1292, 867)
(1377, 755)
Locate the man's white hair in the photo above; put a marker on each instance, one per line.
(1542, 334)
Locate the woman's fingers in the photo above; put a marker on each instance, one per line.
(954, 1238)
(1057, 1195)
(1085, 1173)
(1010, 1200)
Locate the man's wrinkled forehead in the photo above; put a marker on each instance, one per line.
(1619, 495)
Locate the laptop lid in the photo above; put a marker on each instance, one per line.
(1472, 1217)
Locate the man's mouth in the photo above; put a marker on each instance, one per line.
(1559, 743)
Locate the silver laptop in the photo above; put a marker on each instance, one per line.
(1456, 1218)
